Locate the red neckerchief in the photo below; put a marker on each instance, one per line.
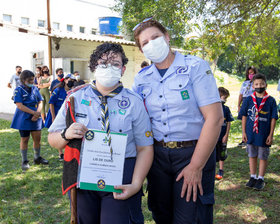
(256, 122)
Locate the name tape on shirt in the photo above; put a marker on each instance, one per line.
(185, 95)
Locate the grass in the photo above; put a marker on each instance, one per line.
(35, 196)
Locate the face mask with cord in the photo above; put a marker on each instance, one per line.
(108, 76)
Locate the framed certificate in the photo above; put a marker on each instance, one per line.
(97, 171)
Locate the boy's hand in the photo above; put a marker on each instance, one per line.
(34, 118)
(269, 140)
(244, 137)
(225, 139)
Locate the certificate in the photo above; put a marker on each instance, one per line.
(97, 171)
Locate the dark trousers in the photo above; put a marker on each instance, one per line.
(96, 207)
(164, 198)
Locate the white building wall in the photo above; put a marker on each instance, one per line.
(15, 50)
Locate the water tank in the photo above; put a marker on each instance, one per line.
(110, 25)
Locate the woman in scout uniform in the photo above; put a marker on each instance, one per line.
(27, 118)
(183, 103)
(56, 100)
(43, 84)
(106, 105)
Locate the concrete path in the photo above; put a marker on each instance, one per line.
(6, 116)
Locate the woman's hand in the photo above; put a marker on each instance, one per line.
(34, 118)
(76, 130)
(192, 182)
(128, 190)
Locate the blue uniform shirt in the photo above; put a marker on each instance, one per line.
(29, 97)
(268, 112)
(173, 101)
(227, 118)
(127, 115)
(53, 84)
(57, 98)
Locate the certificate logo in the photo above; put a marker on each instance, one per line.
(101, 184)
(89, 135)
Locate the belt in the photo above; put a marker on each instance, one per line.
(176, 145)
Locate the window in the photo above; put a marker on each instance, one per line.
(82, 29)
(93, 31)
(24, 20)
(56, 26)
(7, 18)
(41, 23)
(69, 28)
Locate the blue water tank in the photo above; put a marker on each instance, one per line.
(110, 25)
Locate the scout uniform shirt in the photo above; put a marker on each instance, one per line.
(29, 97)
(268, 112)
(127, 115)
(246, 88)
(173, 101)
(227, 118)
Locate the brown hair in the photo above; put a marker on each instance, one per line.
(223, 92)
(45, 67)
(145, 25)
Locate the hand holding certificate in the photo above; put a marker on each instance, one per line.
(97, 171)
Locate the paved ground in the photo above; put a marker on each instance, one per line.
(6, 116)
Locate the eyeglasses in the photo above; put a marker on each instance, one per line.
(114, 65)
(144, 21)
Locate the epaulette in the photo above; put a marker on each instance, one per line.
(134, 94)
(70, 92)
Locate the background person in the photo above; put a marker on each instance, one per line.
(56, 100)
(108, 62)
(59, 74)
(27, 118)
(259, 115)
(38, 74)
(44, 83)
(245, 91)
(183, 103)
(221, 146)
(78, 81)
(15, 79)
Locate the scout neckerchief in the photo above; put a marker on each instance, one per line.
(256, 122)
(105, 112)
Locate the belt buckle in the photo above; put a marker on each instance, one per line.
(171, 145)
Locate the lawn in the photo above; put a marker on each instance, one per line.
(35, 196)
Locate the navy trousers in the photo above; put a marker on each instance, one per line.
(96, 207)
(164, 198)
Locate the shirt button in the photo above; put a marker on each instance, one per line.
(164, 123)
(120, 130)
(160, 81)
(163, 109)
(98, 119)
(165, 136)
(180, 85)
(160, 96)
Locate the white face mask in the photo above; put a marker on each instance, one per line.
(108, 76)
(156, 50)
(78, 77)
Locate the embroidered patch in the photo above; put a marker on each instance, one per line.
(208, 72)
(81, 115)
(89, 135)
(124, 103)
(101, 184)
(185, 95)
(181, 70)
(85, 102)
(149, 134)
(122, 111)
(113, 112)
(263, 112)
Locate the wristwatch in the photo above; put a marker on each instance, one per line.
(63, 134)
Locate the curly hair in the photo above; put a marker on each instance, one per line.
(25, 75)
(250, 68)
(106, 48)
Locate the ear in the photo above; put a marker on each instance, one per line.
(123, 69)
(167, 38)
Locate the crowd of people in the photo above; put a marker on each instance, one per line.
(175, 118)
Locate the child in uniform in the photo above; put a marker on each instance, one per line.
(27, 118)
(221, 146)
(259, 115)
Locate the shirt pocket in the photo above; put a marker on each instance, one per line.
(179, 91)
(179, 83)
(146, 91)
